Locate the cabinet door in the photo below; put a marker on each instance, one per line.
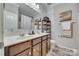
(13, 50)
(47, 45)
(37, 50)
(44, 48)
(25, 53)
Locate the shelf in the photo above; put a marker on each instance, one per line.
(48, 24)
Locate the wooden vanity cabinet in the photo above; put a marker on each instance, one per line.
(34, 47)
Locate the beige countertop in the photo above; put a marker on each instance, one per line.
(8, 41)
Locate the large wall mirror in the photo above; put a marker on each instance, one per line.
(10, 21)
(26, 23)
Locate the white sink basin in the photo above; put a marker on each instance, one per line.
(14, 38)
(11, 37)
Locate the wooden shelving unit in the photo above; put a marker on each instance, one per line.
(46, 27)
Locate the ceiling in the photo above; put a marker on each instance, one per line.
(24, 9)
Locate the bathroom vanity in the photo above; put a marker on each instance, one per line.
(32, 45)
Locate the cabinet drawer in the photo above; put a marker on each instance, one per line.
(35, 41)
(44, 37)
(25, 53)
(37, 50)
(44, 48)
(13, 50)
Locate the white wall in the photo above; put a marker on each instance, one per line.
(43, 10)
(1, 30)
(53, 13)
(77, 5)
(1, 22)
(78, 31)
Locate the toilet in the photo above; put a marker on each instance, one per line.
(52, 44)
